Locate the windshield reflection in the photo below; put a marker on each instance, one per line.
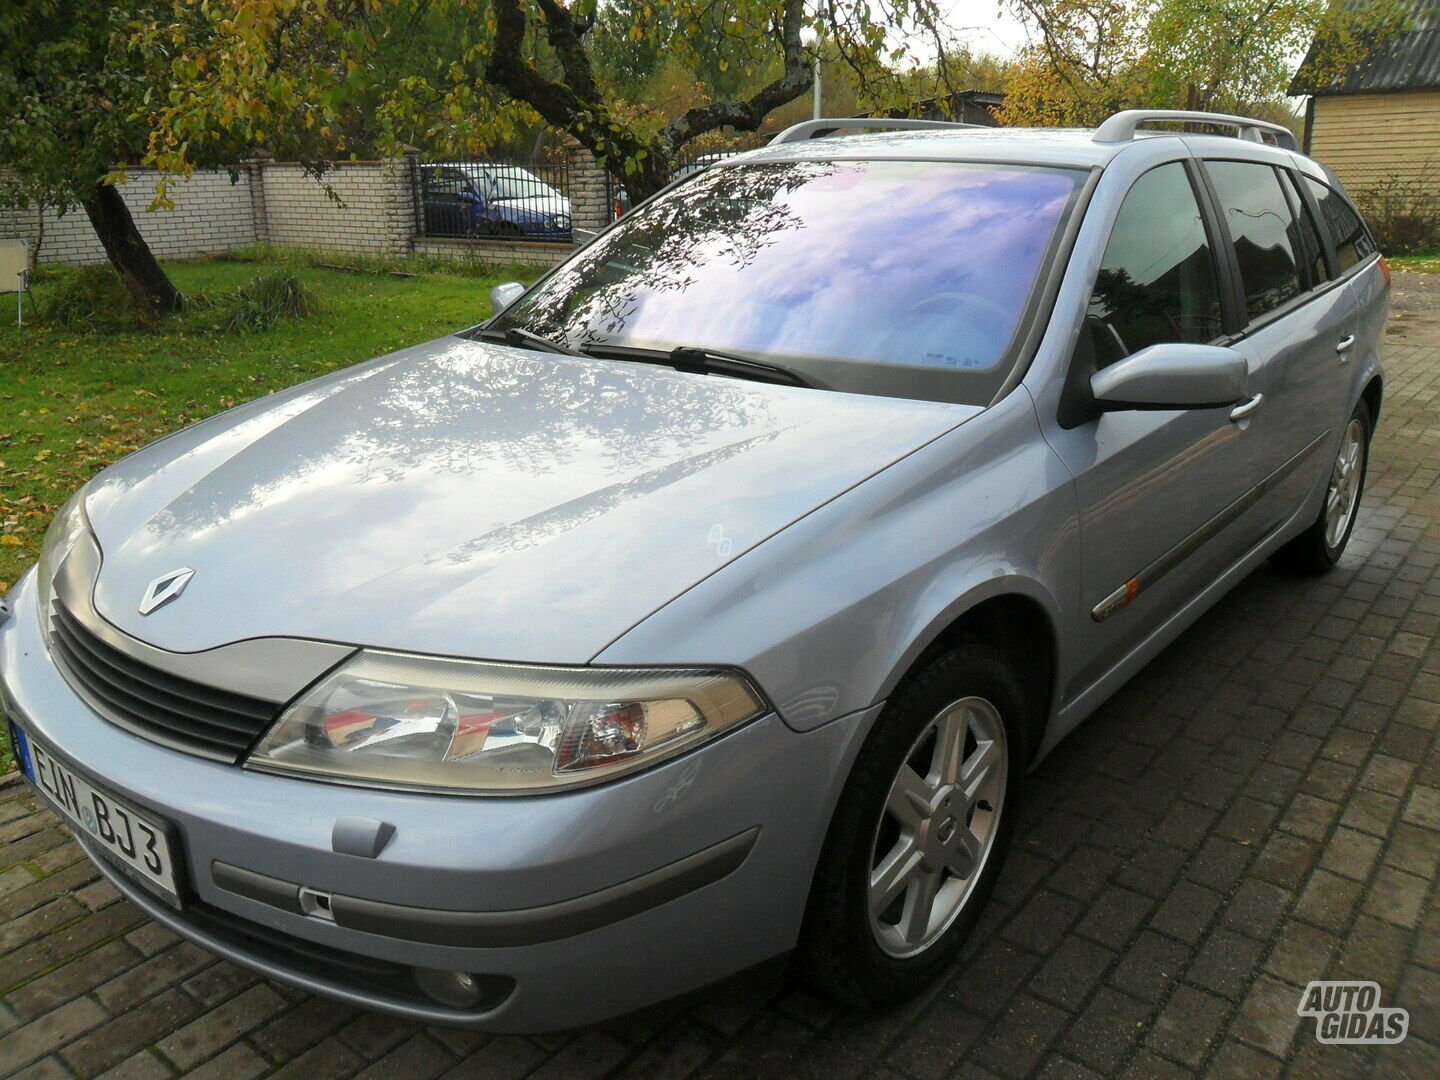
(826, 264)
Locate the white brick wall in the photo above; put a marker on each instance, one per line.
(211, 214)
(374, 214)
(494, 252)
(361, 208)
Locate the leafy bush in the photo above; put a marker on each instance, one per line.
(89, 298)
(262, 302)
(1403, 211)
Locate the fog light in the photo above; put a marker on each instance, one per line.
(453, 988)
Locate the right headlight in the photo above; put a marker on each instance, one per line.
(397, 720)
(69, 525)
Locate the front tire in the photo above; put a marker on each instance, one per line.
(920, 831)
(1319, 547)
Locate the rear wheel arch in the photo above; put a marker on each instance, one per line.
(1371, 395)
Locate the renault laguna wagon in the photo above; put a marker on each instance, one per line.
(711, 602)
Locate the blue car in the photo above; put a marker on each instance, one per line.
(473, 199)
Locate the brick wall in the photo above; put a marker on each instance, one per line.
(495, 252)
(361, 208)
(211, 214)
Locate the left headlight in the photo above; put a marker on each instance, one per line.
(69, 525)
(397, 720)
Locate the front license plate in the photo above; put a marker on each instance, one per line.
(140, 844)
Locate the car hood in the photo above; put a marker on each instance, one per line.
(536, 204)
(476, 500)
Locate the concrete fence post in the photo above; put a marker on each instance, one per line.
(589, 193)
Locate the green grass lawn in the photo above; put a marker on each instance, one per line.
(73, 402)
(1426, 262)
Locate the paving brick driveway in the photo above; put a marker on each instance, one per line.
(1259, 808)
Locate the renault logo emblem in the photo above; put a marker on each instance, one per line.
(165, 588)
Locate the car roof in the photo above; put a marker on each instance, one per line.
(1067, 147)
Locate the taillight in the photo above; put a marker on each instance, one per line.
(1385, 269)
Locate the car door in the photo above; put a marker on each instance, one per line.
(1161, 493)
(1299, 325)
(446, 211)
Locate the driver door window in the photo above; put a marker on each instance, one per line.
(1158, 281)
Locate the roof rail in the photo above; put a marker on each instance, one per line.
(814, 129)
(1122, 126)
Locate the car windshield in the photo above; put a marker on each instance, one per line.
(902, 278)
(519, 184)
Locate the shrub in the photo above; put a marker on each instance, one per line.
(262, 302)
(89, 298)
(1403, 211)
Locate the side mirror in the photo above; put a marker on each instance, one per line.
(1173, 376)
(502, 296)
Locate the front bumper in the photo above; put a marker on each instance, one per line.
(472, 861)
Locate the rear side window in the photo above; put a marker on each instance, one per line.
(1311, 247)
(1352, 240)
(1263, 231)
(1157, 282)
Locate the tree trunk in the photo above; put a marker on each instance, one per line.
(128, 252)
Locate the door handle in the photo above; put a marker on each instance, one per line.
(1247, 409)
(1343, 346)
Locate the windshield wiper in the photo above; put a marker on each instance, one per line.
(525, 339)
(705, 362)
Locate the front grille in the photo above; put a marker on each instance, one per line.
(154, 704)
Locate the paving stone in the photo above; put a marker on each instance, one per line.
(1018, 1041)
(301, 1028)
(239, 1062)
(1150, 965)
(65, 983)
(132, 1030)
(147, 978)
(1301, 953)
(1396, 897)
(1226, 964)
(1268, 1018)
(1187, 911)
(418, 1058)
(1188, 1024)
(197, 1041)
(50, 1032)
(1106, 1030)
(1072, 970)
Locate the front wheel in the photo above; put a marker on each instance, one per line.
(920, 831)
(1320, 546)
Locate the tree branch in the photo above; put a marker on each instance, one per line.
(578, 107)
(748, 115)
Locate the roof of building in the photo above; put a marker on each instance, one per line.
(1409, 60)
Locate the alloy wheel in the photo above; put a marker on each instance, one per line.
(1343, 494)
(938, 827)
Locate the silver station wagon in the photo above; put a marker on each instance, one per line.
(712, 601)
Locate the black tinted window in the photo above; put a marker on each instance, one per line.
(1157, 282)
(1312, 250)
(1352, 240)
(1263, 231)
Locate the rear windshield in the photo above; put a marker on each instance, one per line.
(904, 278)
